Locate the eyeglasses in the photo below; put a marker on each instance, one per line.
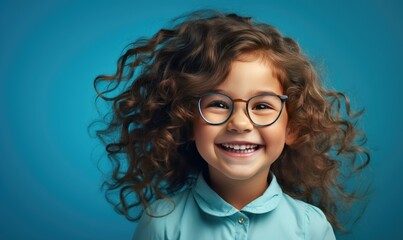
(262, 110)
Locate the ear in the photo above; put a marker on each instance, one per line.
(290, 136)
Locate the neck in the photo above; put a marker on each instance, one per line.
(238, 193)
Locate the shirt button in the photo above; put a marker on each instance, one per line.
(241, 220)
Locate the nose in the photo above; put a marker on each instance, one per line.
(239, 121)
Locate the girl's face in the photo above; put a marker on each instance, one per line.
(218, 144)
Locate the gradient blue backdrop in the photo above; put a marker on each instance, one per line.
(50, 52)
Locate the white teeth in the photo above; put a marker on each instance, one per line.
(243, 147)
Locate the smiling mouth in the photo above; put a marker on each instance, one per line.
(239, 148)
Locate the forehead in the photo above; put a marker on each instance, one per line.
(267, 57)
(249, 76)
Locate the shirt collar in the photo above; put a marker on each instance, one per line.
(211, 203)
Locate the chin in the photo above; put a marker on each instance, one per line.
(241, 176)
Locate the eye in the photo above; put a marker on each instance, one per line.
(218, 104)
(262, 106)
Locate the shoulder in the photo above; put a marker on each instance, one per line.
(318, 227)
(158, 221)
(314, 222)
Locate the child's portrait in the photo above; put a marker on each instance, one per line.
(201, 120)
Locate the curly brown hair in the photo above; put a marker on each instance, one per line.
(159, 80)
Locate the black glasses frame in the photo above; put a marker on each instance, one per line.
(282, 98)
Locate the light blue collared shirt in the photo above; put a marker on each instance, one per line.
(200, 213)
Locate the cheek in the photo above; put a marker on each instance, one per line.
(275, 137)
(198, 130)
(275, 142)
(205, 137)
(205, 149)
(202, 135)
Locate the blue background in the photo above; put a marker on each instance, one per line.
(50, 52)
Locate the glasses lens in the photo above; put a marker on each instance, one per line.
(265, 109)
(215, 108)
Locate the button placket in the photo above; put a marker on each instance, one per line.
(241, 220)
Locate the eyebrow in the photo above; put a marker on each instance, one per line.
(254, 93)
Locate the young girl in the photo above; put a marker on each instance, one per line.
(227, 133)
